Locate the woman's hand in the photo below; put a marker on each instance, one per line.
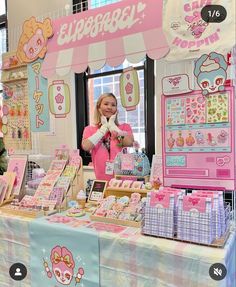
(104, 125)
(113, 127)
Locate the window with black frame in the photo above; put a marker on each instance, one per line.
(91, 84)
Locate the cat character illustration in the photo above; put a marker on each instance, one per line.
(33, 40)
(63, 266)
(199, 138)
(210, 71)
(222, 137)
(195, 24)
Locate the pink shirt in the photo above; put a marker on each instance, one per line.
(100, 154)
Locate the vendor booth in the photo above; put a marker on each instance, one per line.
(165, 222)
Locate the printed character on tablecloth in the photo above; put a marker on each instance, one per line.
(210, 71)
(63, 266)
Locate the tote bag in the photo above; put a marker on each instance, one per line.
(189, 36)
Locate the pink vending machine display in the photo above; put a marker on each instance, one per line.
(199, 140)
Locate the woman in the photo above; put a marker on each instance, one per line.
(106, 137)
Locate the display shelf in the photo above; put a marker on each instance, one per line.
(119, 191)
(218, 243)
(116, 221)
(144, 178)
(6, 201)
(9, 209)
(14, 80)
(14, 67)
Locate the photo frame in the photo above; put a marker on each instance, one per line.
(97, 190)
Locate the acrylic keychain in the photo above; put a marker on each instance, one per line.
(19, 133)
(13, 133)
(25, 133)
(18, 110)
(12, 111)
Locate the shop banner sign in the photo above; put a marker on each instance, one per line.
(63, 255)
(102, 24)
(189, 36)
(38, 98)
(110, 34)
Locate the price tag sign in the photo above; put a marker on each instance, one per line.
(213, 13)
(97, 190)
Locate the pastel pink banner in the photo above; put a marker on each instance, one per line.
(105, 23)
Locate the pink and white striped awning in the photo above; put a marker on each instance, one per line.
(107, 35)
(112, 52)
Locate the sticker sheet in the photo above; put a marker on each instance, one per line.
(175, 111)
(195, 110)
(217, 108)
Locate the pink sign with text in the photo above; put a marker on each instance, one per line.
(105, 23)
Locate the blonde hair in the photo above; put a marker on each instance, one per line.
(97, 115)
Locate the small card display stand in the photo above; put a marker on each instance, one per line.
(75, 186)
(124, 191)
(97, 191)
(119, 214)
(144, 178)
(9, 209)
(68, 182)
(125, 185)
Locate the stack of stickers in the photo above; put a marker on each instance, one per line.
(218, 210)
(158, 214)
(194, 222)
